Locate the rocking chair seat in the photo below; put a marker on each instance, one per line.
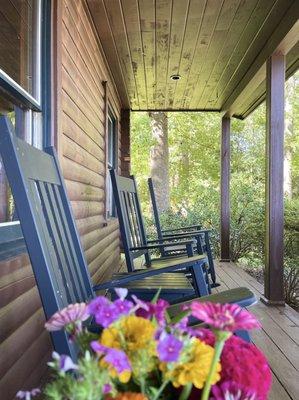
(164, 262)
(173, 287)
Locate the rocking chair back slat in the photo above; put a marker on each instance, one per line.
(130, 218)
(155, 208)
(48, 226)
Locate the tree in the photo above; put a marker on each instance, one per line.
(159, 159)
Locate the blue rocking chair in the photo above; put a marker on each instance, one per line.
(51, 236)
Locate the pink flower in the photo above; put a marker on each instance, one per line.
(230, 390)
(204, 334)
(73, 314)
(225, 317)
(150, 310)
(245, 364)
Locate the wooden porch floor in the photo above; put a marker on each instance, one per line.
(279, 337)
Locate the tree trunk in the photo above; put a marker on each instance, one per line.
(159, 159)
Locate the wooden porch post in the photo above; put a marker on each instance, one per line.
(125, 143)
(224, 192)
(274, 293)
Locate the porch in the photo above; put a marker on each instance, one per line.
(97, 61)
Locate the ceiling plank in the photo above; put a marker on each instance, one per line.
(130, 11)
(163, 23)
(193, 60)
(241, 18)
(178, 29)
(194, 21)
(147, 24)
(218, 40)
(281, 29)
(117, 26)
(254, 25)
(100, 18)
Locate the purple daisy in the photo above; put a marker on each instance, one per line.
(224, 317)
(103, 310)
(118, 359)
(73, 314)
(123, 306)
(169, 348)
(230, 390)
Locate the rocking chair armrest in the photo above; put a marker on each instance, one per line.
(177, 236)
(182, 228)
(167, 239)
(186, 234)
(161, 245)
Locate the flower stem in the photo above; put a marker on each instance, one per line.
(142, 383)
(186, 392)
(218, 350)
(162, 387)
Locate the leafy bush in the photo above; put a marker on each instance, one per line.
(291, 282)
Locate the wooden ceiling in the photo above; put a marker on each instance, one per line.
(216, 46)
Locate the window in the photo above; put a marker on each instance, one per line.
(111, 161)
(20, 84)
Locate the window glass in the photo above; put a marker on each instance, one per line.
(20, 39)
(19, 43)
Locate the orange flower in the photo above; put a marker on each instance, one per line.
(129, 396)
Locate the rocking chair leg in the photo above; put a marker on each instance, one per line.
(199, 280)
(210, 257)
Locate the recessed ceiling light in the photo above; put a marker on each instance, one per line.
(175, 77)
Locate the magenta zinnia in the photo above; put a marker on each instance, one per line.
(224, 317)
(232, 391)
(73, 314)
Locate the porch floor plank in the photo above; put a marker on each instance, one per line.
(279, 337)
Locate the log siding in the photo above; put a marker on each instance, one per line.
(79, 134)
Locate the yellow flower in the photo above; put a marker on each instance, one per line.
(111, 338)
(134, 333)
(195, 369)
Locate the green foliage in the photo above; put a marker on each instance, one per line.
(194, 149)
(291, 281)
(66, 387)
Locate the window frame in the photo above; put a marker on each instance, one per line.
(112, 116)
(10, 232)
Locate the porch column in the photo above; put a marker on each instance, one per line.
(275, 81)
(224, 191)
(125, 143)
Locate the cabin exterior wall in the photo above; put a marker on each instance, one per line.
(84, 91)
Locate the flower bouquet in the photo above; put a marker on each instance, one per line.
(139, 353)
